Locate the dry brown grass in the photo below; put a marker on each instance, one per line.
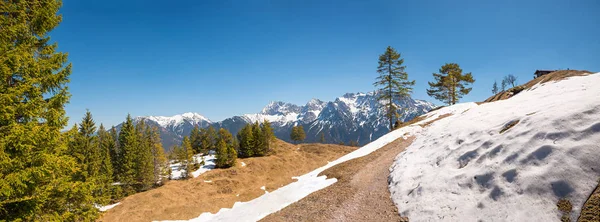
(554, 76)
(189, 198)
(591, 209)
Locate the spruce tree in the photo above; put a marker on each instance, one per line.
(246, 142)
(301, 134)
(145, 160)
(128, 145)
(322, 140)
(211, 138)
(221, 154)
(115, 155)
(259, 140)
(161, 165)
(187, 155)
(294, 134)
(35, 169)
(393, 81)
(269, 136)
(105, 141)
(196, 140)
(226, 154)
(450, 84)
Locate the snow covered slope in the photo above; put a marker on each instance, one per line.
(461, 168)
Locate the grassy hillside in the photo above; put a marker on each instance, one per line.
(221, 188)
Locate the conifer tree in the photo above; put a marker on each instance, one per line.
(187, 156)
(35, 169)
(226, 154)
(145, 161)
(503, 85)
(221, 154)
(246, 142)
(196, 140)
(393, 81)
(298, 134)
(450, 84)
(160, 162)
(211, 138)
(495, 88)
(128, 145)
(269, 136)
(258, 145)
(105, 141)
(115, 155)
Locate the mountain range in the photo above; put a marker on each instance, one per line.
(352, 117)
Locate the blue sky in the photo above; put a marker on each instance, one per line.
(225, 58)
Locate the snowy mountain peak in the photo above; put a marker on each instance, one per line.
(176, 120)
(280, 108)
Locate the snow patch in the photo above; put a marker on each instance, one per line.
(107, 207)
(461, 168)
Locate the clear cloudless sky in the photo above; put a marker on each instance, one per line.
(225, 58)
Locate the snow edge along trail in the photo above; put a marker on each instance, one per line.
(306, 184)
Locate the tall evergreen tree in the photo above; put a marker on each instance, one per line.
(246, 142)
(298, 134)
(322, 140)
(186, 157)
(495, 88)
(105, 142)
(259, 140)
(35, 170)
(225, 152)
(115, 155)
(269, 136)
(196, 140)
(128, 145)
(450, 84)
(503, 85)
(145, 161)
(160, 162)
(393, 81)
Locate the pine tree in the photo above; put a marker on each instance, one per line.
(196, 140)
(268, 136)
(160, 162)
(105, 141)
(246, 142)
(393, 81)
(259, 140)
(35, 169)
(187, 155)
(298, 134)
(128, 145)
(449, 85)
(212, 137)
(503, 85)
(145, 160)
(322, 140)
(495, 88)
(115, 155)
(226, 154)
(221, 154)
